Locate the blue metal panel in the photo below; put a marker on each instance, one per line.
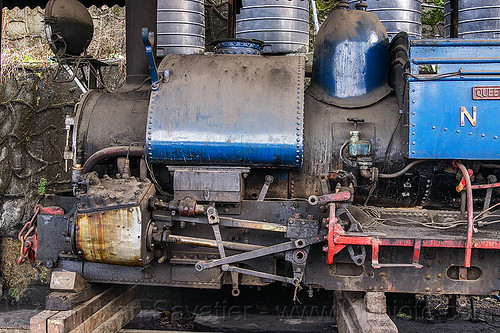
(228, 110)
(437, 100)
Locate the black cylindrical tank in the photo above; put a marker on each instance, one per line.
(110, 119)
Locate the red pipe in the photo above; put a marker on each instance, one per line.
(117, 151)
(470, 213)
(485, 186)
(332, 220)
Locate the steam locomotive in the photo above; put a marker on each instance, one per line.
(376, 172)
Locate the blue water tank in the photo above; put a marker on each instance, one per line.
(228, 110)
(351, 56)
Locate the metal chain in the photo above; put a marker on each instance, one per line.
(28, 231)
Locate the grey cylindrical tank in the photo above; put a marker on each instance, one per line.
(476, 19)
(282, 24)
(397, 15)
(181, 27)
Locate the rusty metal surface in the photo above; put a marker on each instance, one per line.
(110, 222)
(111, 237)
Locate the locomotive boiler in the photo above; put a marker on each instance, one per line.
(376, 173)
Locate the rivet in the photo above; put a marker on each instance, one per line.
(495, 137)
(413, 125)
(413, 152)
(458, 131)
(483, 135)
(445, 129)
(470, 133)
(413, 101)
(413, 113)
(413, 133)
(413, 143)
(433, 127)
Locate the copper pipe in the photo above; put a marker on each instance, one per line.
(117, 151)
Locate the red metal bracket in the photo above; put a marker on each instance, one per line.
(461, 185)
(338, 239)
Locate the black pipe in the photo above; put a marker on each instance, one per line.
(139, 14)
(400, 172)
(118, 151)
(454, 19)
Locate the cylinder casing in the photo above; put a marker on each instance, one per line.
(181, 27)
(476, 19)
(397, 15)
(282, 24)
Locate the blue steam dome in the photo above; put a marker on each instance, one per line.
(351, 56)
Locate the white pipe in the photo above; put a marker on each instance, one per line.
(315, 15)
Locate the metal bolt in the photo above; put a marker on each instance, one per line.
(428, 276)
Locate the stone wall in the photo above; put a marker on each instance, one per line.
(33, 107)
